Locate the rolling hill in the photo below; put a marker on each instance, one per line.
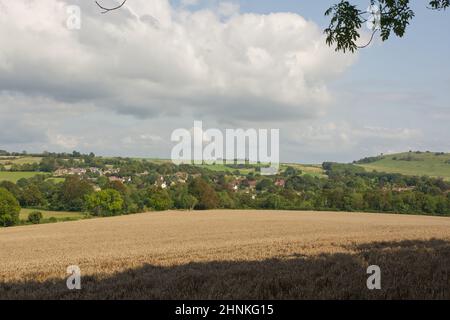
(433, 164)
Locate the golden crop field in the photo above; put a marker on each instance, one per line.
(229, 255)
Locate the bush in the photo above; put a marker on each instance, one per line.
(35, 217)
(370, 159)
(52, 220)
(7, 220)
(9, 209)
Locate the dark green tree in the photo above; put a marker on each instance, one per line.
(9, 209)
(159, 199)
(107, 202)
(73, 192)
(32, 196)
(205, 193)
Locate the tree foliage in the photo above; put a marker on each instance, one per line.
(9, 208)
(205, 193)
(159, 199)
(347, 19)
(107, 202)
(73, 192)
(346, 187)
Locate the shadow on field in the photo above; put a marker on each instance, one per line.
(410, 269)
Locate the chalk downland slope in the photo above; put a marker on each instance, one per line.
(433, 164)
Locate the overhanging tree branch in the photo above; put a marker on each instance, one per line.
(347, 19)
(370, 40)
(106, 10)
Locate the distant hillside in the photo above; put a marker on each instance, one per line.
(433, 164)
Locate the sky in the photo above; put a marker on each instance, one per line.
(124, 81)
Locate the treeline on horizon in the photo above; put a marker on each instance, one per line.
(345, 187)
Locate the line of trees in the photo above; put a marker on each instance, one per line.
(346, 187)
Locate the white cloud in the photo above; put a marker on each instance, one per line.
(150, 59)
(228, 9)
(123, 82)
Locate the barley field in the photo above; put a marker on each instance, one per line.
(229, 255)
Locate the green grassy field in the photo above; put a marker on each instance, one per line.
(309, 169)
(14, 176)
(411, 163)
(314, 170)
(7, 161)
(218, 167)
(59, 215)
(224, 168)
(56, 180)
(20, 159)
